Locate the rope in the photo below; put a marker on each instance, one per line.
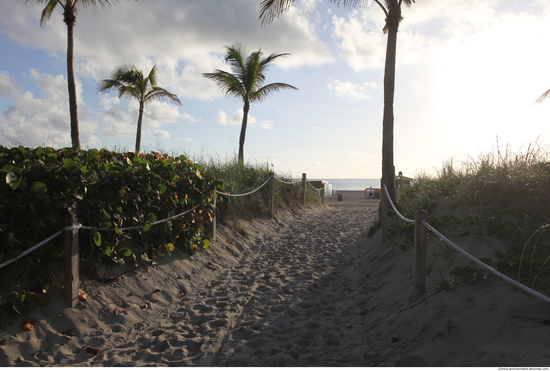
(410, 221)
(80, 226)
(485, 266)
(282, 181)
(244, 194)
(472, 258)
(32, 248)
(317, 189)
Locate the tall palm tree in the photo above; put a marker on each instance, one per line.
(131, 83)
(246, 81)
(70, 8)
(270, 9)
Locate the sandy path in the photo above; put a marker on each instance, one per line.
(281, 296)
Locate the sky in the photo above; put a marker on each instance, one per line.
(467, 76)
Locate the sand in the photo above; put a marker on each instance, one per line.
(309, 288)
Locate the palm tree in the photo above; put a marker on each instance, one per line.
(131, 83)
(70, 8)
(246, 81)
(543, 97)
(270, 9)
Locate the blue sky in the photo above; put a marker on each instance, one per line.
(468, 73)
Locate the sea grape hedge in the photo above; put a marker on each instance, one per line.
(40, 189)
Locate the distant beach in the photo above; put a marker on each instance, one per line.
(352, 184)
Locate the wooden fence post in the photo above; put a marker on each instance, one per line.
(212, 224)
(383, 212)
(420, 254)
(272, 193)
(323, 195)
(304, 184)
(71, 275)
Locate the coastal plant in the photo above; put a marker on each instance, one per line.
(502, 194)
(131, 82)
(40, 189)
(246, 81)
(70, 8)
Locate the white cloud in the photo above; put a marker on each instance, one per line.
(35, 121)
(346, 89)
(161, 134)
(267, 125)
(188, 38)
(8, 85)
(234, 118)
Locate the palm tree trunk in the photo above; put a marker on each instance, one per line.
(243, 131)
(138, 135)
(70, 20)
(388, 168)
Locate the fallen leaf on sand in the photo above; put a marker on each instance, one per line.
(67, 334)
(119, 310)
(91, 350)
(28, 324)
(37, 353)
(395, 339)
(82, 296)
(230, 242)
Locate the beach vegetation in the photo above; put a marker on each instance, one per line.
(501, 194)
(246, 80)
(70, 9)
(131, 83)
(42, 189)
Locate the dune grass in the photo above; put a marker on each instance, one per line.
(505, 194)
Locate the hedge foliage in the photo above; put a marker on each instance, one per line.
(40, 189)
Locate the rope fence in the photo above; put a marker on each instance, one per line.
(71, 244)
(420, 254)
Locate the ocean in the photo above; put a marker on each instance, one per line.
(352, 184)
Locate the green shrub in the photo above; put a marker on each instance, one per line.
(41, 188)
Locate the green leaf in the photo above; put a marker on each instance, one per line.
(97, 236)
(146, 227)
(69, 164)
(152, 217)
(125, 251)
(39, 188)
(162, 189)
(108, 251)
(13, 180)
(205, 244)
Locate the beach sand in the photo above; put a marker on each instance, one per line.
(309, 288)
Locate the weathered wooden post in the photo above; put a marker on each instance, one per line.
(272, 193)
(323, 195)
(71, 279)
(420, 254)
(304, 184)
(212, 224)
(383, 211)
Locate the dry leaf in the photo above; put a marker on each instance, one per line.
(28, 324)
(395, 339)
(230, 242)
(37, 353)
(119, 309)
(82, 296)
(91, 350)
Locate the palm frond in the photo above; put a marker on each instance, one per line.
(271, 9)
(161, 95)
(262, 93)
(544, 96)
(229, 84)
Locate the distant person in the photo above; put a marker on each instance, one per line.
(370, 192)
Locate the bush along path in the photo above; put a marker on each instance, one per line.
(275, 292)
(41, 188)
